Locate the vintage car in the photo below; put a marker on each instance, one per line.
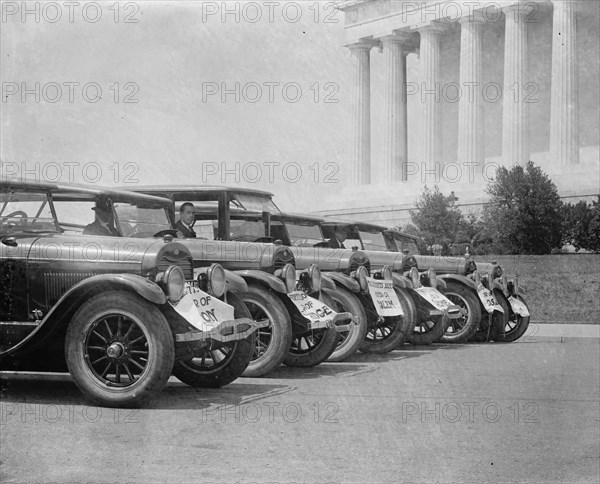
(120, 314)
(378, 330)
(501, 302)
(302, 330)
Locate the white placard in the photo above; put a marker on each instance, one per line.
(202, 310)
(317, 312)
(518, 306)
(435, 298)
(489, 301)
(384, 297)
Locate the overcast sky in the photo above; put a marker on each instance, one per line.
(287, 74)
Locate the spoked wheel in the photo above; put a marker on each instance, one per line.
(428, 329)
(219, 363)
(348, 342)
(514, 328)
(461, 329)
(270, 344)
(386, 334)
(119, 349)
(312, 347)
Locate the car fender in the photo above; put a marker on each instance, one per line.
(66, 306)
(270, 280)
(402, 281)
(458, 278)
(344, 280)
(327, 282)
(441, 284)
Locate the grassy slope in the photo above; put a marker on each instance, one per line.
(559, 288)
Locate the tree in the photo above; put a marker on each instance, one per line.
(437, 217)
(581, 225)
(524, 211)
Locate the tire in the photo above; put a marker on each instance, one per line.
(348, 342)
(428, 329)
(513, 327)
(385, 336)
(462, 329)
(270, 345)
(112, 331)
(221, 363)
(313, 347)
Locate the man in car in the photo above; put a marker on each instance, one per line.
(341, 234)
(103, 224)
(186, 221)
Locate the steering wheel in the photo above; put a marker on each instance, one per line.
(162, 233)
(16, 213)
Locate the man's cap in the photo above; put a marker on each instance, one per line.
(103, 205)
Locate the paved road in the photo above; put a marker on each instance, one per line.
(522, 412)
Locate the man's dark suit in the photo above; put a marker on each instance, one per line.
(335, 244)
(187, 233)
(96, 228)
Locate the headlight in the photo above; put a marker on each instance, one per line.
(489, 279)
(504, 282)
(216, 280)
(414, 277)
(314, 275)
(515, 282)
(386, 273)
(288, 274)
(361, 275)
(173, 283)
(432, 276)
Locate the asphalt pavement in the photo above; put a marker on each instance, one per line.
(521, 412)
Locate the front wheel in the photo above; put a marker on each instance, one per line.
(272, 343)
(312, 347)
(461, 329)
(119, 349)
(386, 334)
(218, 364)
(348, 342)
(428, 329)
(514, 328)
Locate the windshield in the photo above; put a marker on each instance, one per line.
(139, 221)
(254, 202)
(373, 241)
(406, 244)
(25, 212)
(304, 235)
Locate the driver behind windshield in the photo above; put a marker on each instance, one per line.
(103, 225)
(186, 221)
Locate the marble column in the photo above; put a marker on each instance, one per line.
(395, 50)
(515, 112)
(361, 122)
(564, 122)
(470, 108)
(430, 127)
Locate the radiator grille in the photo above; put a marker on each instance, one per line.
(282, 258)
(185, 263)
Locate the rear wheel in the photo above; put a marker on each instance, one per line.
(348, 342)
(514, 328)
(386, 334)
(272, 343)
(220, 363)
(461, 329)
(312, 347)
(119, 349)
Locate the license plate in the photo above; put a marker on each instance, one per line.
(518, 306)
(201, 310)
(384, 297)
(489, 301)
